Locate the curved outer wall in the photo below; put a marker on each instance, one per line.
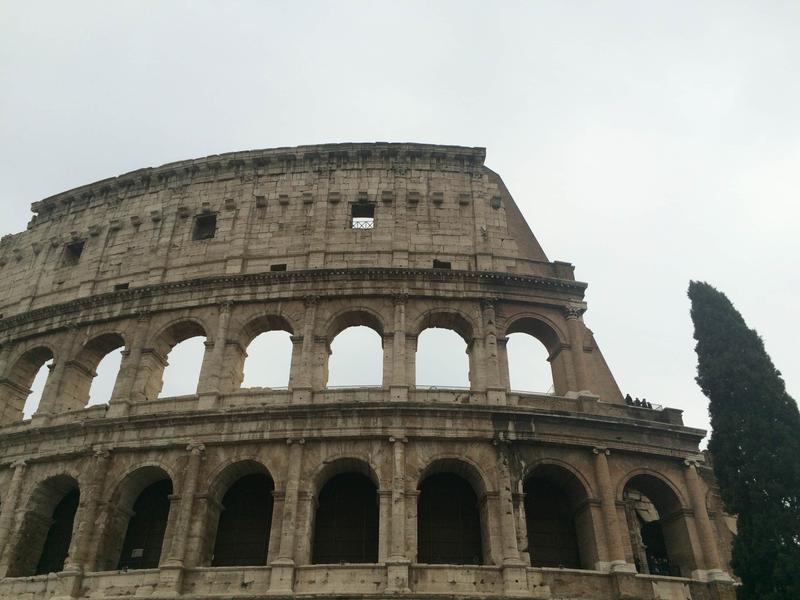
(118, 264)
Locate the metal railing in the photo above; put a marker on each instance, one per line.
(363, 223)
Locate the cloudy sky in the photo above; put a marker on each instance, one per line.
(647, 143)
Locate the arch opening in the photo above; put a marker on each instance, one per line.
(448, 521)
(268, 360)
(38, 384)
(46, 530)
(346, 521)
(442, 359)
(138, 512)
(356, 358)
(144, 537)
(658, 531)
(91, 377)
(528, 364)
(559, 520)
(245, 522)
(24, 384)
(103, 383)
(184, 361)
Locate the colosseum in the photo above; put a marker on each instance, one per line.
(311, 489)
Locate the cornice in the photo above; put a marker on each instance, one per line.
(274, 277)
(273, 161)
(299, 416)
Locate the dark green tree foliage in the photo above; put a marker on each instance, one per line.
(755, 443)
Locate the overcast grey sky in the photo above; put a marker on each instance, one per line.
(647, 143)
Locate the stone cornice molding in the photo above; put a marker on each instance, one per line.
(224, 282)
(271, 161)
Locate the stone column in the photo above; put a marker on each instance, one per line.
(477, 365)
(282, 578)
(399, 382)
(7, 512)
(711, 559)
(172, 568)
(522, 527)
(122, 396)
(301, 370)
(502, 361)
(397, 564)
(615, 553)
(575, 328)
(515, 580)
(384, 523)
(411, 361)
(495, 390)
(208, 388)
(82, 539)
(412, 543)
(51, 401)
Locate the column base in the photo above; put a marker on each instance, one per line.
(398, 393)
(207, 401)
(620, 566)
(170, 579)
(709, 575)
(397, 575)
(302, 395)
(69, 584)
(118, 408)
(515, 579)
(625, 585)
(281, 579)
(496, 396)
(41, 419)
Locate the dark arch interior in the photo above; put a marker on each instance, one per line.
(59, 535)
(448, 522)
(145, 535)
(346, 525)
(659, 539)
(552, 535)
(245, 522)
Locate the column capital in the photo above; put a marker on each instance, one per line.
(19, 463)
(195, 448)
(393, 439)
(101, 452)
(694, 461)
(299, 441)
(601, 450)
(573, 311)
(310, 300)
(489, 302)
(225, 306)
(143, 315)
(400, 298)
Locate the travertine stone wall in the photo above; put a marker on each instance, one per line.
(291, 206)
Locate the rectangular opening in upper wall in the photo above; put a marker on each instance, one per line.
(440, 264)
(363, 215)
(72, 252)
(278, 267)
(121, 286)
(205, 227)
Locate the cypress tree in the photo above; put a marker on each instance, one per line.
(755, 444)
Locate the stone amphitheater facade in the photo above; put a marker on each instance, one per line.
(484, 492)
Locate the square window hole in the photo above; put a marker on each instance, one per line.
(363, 214)
(205, 227)
(72, 252)
(278, 267)
(121, 286)
(440, 264)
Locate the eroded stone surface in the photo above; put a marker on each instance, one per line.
(116, 264)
